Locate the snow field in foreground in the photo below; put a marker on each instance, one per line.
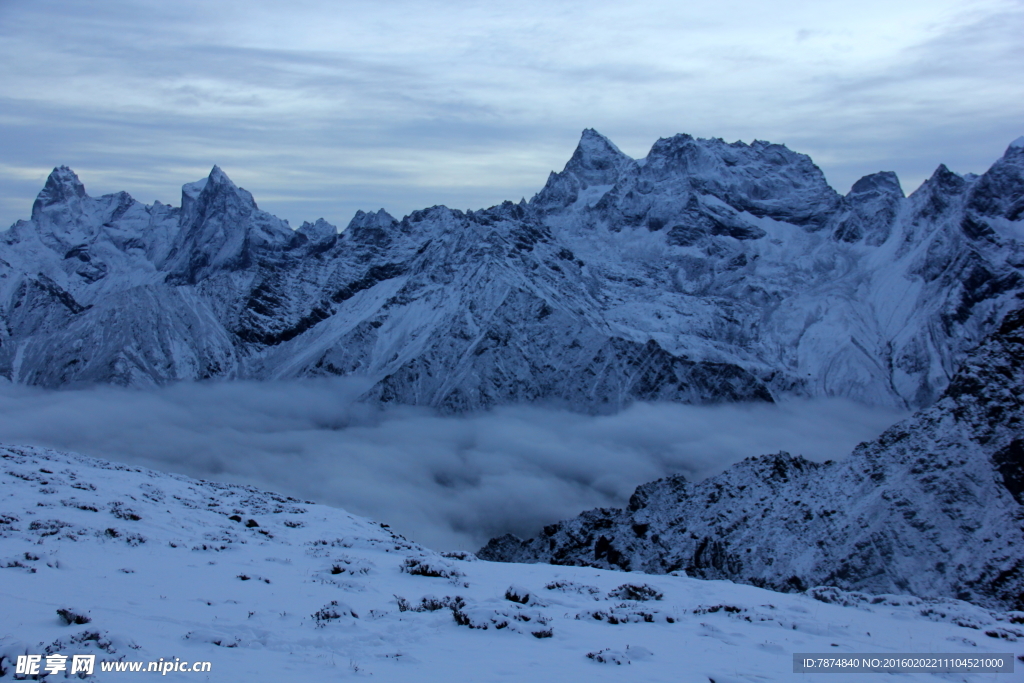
(270, 588)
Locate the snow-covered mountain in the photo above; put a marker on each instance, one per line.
(704, 272)
(134, 566)
(933, 507)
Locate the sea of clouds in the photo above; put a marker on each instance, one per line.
(449, 482)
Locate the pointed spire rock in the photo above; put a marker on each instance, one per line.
(945, 180)
(62, 187)
(596, 161)
(221, 226)
(215, 189)
(218, 183)
(219, 177)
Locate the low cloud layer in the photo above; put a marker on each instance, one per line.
(447, 482)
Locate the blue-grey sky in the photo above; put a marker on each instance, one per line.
(322, 107)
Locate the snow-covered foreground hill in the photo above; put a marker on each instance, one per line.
(268, 588)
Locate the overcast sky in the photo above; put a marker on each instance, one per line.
(323, 107)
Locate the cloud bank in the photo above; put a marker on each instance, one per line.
(447, 482)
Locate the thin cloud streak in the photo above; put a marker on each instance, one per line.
(448, 482)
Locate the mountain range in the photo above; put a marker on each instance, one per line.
(705, 272)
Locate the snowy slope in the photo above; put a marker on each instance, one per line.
(164, 566)
(933, 507)
(704, 272)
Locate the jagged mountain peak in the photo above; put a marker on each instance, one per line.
(945, 179)
(214, 194)
(63, 179)
(999, 192)
(379, 218)
(65, 217)
(883, 182)
(221, 229)
(867, 213)
(762, 179)
(937, 194)
(62, 187)
(219, 177)
(688, 155)
(596, 161)
(320, 231)
(220, 185)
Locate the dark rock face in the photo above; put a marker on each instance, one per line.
(1009, 462)
(705, 272)
(869, 211)
(222, 230)
(933, 507)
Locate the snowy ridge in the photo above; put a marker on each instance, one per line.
(707, 271)
(933, 507)
(158, 566)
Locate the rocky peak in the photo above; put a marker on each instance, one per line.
(219, 177)
(213, 195)
(219, 187)
(62, 187)
(220, 227)
(59, 207)
(762, 178)
(868, 212)
(318, 232)
(65, 216)
(375, 229)
(945, 181)
(596, 161)
(937, 194)
(1000, 190)
(882, 183)
(379, 219)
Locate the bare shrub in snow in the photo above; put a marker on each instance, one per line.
(630, 591)
(422, 567)
(609, 656)
(331, 612)
(70, 616)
